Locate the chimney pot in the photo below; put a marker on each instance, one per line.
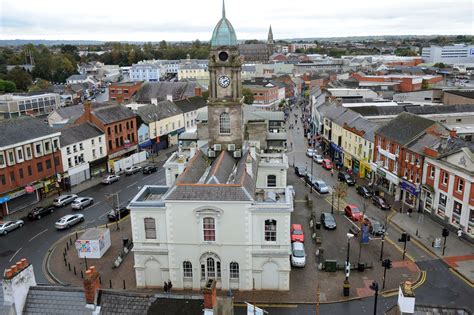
(8, 273)
(25, 262)
(13, 268)
(19, 265)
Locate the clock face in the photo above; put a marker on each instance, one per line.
(224, 81)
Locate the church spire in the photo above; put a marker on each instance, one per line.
(270, 35)
(223, 8)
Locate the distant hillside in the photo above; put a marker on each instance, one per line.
(20, 42)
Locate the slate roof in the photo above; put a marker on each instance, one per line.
(362, 124)
(378, 110)
(404, 128)
(76, 133)
(113, 113)
(23, 129)
(124, 303)
(222, 169)
(160, 90)
(463, 93)
(177, 305)
(191, 104)
(77, 77)
(55, 300)
(440, 109)
(162, 110)
(252, 113)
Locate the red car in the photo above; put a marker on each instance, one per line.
(327, 164)
(353, 212)
(297, 233)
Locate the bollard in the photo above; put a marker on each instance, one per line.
(65, 252)
(76, 235)
(124, 284)
(69, 266)
(70, 240)
(107, 225)
(67, 246)
(65, 261)
(82, 275)
(100, 280)
(110, 283)
(75, 270)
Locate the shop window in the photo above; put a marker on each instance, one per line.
(443, 199)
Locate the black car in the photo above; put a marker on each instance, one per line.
(309, 179)
(345, 177)
(364, 192)
(39, 212)
(380, 202)
(148, 169)
(328, 221)
(117, 214)
(300, 170)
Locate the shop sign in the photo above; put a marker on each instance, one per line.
(411, 188)
(29, 189)
(381, 173)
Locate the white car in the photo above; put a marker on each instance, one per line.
(109, 179)
(132, 170)
(318, 158)
(310, 152)
(63, 200)
(82, 202)
(298, 255)
(8, 226)
(69, 220)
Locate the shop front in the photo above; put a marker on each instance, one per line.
(410, 192)
(427, 196)
(355, 166)
(456, 216)
(347, 160)
(336, 154)
(365, 170)
(386, 181)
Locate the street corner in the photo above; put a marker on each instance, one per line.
(115, 266)
(463, 266)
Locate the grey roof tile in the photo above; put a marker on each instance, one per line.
(160, 90)
(76, 133)
(22, 129)
(162, 110)
(413, 126)
(112, 113)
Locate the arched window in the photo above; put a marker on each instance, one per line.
(150, 228)
(211, 267)
(270, 230)
(187, 269)
(224, 123)
(234, 270)
(271, 181)
(209, 229)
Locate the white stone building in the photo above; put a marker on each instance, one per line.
(147, 72)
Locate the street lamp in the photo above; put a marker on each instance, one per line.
(375, 287)
(346, 286)
(381, 248)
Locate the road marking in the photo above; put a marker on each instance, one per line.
(37, 235)
(457, 274)
(118, 191)
(422, 280)
(15, 254)
(95, 204)
(131, 185)
(400, 249)
(103, 214)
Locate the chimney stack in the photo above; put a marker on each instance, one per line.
(91, 285)
(197, 91)
(17, 281)
(453, 133)
(209, 293)
(88, 110)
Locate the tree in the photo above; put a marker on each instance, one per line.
(340, 192)
(20, 77)
(7, 86)
(440, 65)
(248, 96)
(40, 85)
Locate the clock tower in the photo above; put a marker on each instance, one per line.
(225, 116)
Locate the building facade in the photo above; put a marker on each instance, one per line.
(448, 54)
(20, 105)
(145, 72)
(123, 92)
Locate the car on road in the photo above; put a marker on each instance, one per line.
(109, 179)
(327, 164)
(328, 221)
(64, 200)
(297, 234)
(9, 226)
(364, 192)
(380, 203)
(69, 220)
(118, 213)
(39, 212)
(300, 170)
(148, 169)
(320, 186)
(298, 255)
(346, 178)
(82, 202)
(132, 170)
(318, 158)
(309, 179)
(310, 152)
(375, 227)
(353, 212)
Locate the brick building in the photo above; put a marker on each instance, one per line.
(29, 158)
(124, 91)
(265, 93)
(405, 82)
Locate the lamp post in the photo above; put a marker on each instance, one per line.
(375, 287)
(332, 203)
(346, 285)
(58, 178)
(381, 247)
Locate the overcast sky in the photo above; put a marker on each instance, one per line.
(176, 20)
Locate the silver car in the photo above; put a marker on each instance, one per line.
(82, 202)
(132, 170)
(8, 226)
(69, 220)
(318, 158)
(63, 200)
(320, 186)
(109, 179)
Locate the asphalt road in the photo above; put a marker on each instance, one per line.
(34, 239)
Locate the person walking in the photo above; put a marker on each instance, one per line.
(459, 233)
(165, 287)
(170, 285)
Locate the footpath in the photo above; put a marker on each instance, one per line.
(23, 213)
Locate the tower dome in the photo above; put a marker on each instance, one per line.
(224, 34)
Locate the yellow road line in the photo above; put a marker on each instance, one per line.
(389, 294)
(422, 280)
(268, 305)
(399, 249)
(457, 274)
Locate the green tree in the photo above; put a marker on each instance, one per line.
(20, 77)
(40, 85)
(7, 86)
(248, 96)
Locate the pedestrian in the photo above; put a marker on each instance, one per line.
(165, 287)
(460, 233)
(291, 145)
(410, 210)
(170, 285)
(332, 172)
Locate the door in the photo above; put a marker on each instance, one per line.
(270, 276)
(153, 276)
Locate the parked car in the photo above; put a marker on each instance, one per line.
(380, 202)
(318, 158)
(310, 152)
(327, 164)
(297, 234)
(118, 213)
(9, 226)
(364, 192)
(64, 200)
(69, 220)
(375, 227)
(328, 221)
(320, 186)
(82, 202)
(346, 178)
(353, 212)
(109, 179)
(132, 170)
(39, 212)
(298, 255)
(309, 179)
(300, 170)
(148, 169)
